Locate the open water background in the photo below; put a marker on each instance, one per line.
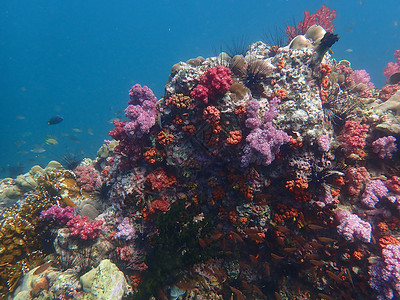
(78, 59)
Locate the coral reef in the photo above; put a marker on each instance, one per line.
(273, 174)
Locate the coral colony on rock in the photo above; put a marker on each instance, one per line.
(272, 175)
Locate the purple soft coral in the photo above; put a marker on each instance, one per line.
(324, 143)
(264, 140)
(126, 230)
(141, 112)
(385, 274)
(374, 190)
(59, 214)
(351, 226)
(385, 146)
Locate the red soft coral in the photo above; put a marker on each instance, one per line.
(159, 205)
(159, 180)
(355, 179)
(216, 80)
(323, 17)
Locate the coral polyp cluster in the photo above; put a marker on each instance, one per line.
(268, 175)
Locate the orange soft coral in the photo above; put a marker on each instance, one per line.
(179, 101)
(164, 137)
(234, 138)
(299, 188)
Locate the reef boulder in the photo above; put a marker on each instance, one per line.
(104, 282)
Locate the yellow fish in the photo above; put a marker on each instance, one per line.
(51, 141)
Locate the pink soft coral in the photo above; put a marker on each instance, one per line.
(393, 67)
(353, 136)
(79, 226)
(88, 178)
(58, 214)
(362, 76)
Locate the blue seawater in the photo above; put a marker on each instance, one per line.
(78, 59)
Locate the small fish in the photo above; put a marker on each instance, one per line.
(111, 121)
(78, 130)
(267, 270)
(246, 286)
(395, 23)
(19, 143)
(316, 245)
(282, 229)
(315, 227)
(90, 131)
(239, 294)
(244, 265)
(69, 202)
(290, 250)
(326, 240)
(235, 237)
(257, 290)
(202, 243)
(74, 139)
(43, 267)
(51, 141)
(162, 295)
(185, 285)
(312, 256)
(159, 120)
(324, 296)
(38, 150)
(254, 259)
(20, 117)
(55, 120)
(317, 263)
(348, 50)
(277, 296)
(276, 257)
(216, 236)
(26, 134)
(334, 276)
